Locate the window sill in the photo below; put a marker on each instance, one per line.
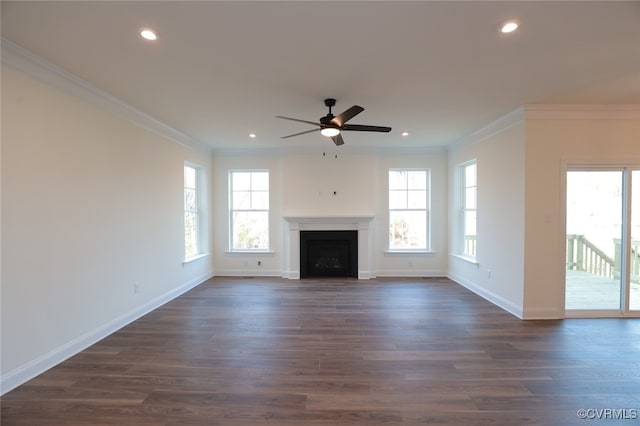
(196, 257)
(409, 252)
(466, 258)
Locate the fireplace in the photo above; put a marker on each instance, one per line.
(328, 254)
(296, 225)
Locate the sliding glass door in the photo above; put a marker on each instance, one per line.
(634, 251)
(602, 241)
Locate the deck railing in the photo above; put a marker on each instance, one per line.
(583, 255)
(470, 245)
(634, 259)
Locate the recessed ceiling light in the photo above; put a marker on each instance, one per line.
(252, 135)
(148, 34)
(405, 133)
(509, 27)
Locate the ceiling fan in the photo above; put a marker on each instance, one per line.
(333, 125)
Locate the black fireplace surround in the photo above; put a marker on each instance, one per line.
(328, 254)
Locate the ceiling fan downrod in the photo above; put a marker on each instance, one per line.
(329, 102)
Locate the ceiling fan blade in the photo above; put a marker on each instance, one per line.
(347, 115)
(298, 120)
(301, 133)
(365, 128)
(337, 139)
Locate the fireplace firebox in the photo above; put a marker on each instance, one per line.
(328, 254)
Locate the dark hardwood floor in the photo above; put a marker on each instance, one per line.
(341, 352)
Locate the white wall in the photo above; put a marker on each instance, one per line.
(497, 274)
(302, 185)
(556, 136)
(311, 180)
(520, 198)
(235, 264)
(91, 204)
(429, 264)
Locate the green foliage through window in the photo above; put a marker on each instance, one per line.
(249, 190)
(408, 209)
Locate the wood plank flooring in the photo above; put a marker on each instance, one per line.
(267, 351)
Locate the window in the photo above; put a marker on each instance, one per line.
(192, 213)
(409, 209)
(249, 213)
(468, 191)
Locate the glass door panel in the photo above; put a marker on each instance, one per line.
(634, 257)
(594, 234)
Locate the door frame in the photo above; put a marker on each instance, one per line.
(626, 166)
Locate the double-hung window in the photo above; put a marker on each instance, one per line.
(469, 206)
(249, 209)
(192, 211)
(409, 209)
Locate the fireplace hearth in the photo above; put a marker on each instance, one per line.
(328, 254)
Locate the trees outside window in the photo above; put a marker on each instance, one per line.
(192, 211)
(409, 209)
(249, 214)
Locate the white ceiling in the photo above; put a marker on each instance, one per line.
(439, 70)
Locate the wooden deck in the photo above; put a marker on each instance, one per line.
(589, 291)
(339, 352)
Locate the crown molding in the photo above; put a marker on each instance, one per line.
(508, 120)
(36, 67)
(549, 112)
(582, 112)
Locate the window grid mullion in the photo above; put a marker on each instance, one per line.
(408, 235)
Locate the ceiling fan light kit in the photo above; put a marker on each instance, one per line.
(330, 131)
(332, 126)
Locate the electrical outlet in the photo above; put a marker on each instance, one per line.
(259, 262)
(136, 287)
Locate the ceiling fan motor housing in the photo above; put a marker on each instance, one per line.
(326, 120)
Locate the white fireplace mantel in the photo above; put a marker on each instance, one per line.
(362, 224)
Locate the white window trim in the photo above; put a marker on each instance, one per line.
(460, 253)
(202, 250)
(231, 250)
(195, 257)
(428, 249)
(466, 258)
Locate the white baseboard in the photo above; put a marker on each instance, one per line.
(500, 301)
(292, 275)
(543, 313)
(366, 275)
(260, 272)
(39, 365)
(411, 273)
